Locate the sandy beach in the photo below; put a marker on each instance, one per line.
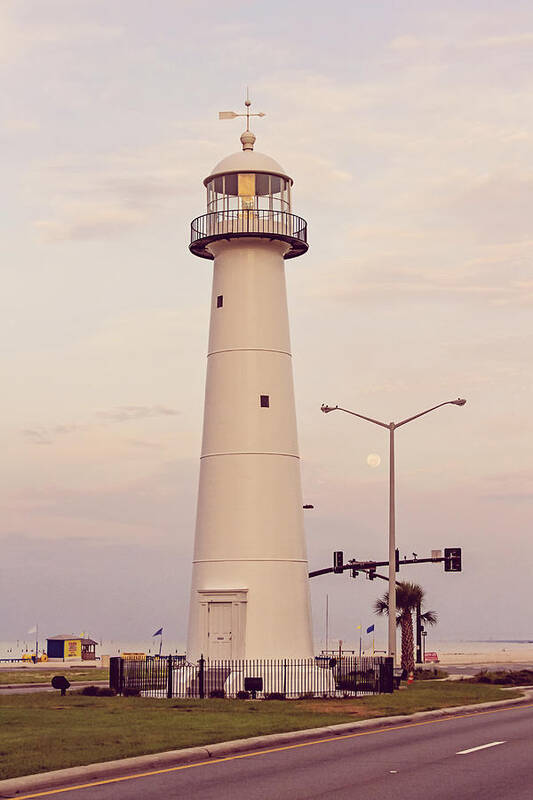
(457, 653)
(449, 653)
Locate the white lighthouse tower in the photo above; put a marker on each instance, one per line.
(249, 594)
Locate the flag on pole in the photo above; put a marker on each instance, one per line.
(370, 629)
(33, 630)
(158, 633)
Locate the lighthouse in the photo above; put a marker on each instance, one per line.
(249, 594)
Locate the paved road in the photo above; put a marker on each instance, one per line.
(406, 762)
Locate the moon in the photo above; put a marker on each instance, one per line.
(373, 460)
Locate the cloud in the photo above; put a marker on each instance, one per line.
(17, 39)
(89, 221)
(440, 201)
(19, 125)
(509, 486)
(144, 506)
(37, 435)
(497, 207)
(108, 195)
(405, 42)
(126, 413)
(510, 40)
(410, 42)
(47, 435)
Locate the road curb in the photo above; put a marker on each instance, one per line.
(139, 764)
(73, 685)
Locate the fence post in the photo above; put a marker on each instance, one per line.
(386, 676)
(169, 677)
(201, 676)
(114, 674)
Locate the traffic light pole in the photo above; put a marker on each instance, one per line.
(452, 560)
(366, 566)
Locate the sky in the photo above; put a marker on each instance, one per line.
(408, 130)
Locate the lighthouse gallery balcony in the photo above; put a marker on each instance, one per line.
(258, 223)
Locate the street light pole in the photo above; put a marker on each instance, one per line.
(391, 426)
(391, 647)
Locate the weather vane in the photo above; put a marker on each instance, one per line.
(247, 114)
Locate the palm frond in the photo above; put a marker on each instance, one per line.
(429, 617)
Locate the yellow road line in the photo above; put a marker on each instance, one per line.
(265, 752)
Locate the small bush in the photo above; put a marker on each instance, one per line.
(424, 674)
(217, 693)
(504, 677)
(106, 691)
(90, 691)
(275, 696)
(129, 691)
(243, 695)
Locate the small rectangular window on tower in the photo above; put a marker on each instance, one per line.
(265, 401)
(220, 301)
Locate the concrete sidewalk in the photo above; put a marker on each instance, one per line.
(127, 766)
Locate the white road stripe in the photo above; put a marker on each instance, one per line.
(481, 747)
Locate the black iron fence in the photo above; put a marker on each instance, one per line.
(249, 222)
(168, 676)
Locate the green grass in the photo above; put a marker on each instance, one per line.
(41, 731)
(28, 675)
(428, 695)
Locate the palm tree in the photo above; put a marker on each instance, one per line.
(408, 595)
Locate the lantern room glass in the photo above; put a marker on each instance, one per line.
(248, 191)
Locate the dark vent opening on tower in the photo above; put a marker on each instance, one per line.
(220, 301)
(265, 401)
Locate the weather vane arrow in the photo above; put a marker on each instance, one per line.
(247, 113)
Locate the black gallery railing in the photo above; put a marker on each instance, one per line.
(168, 676)
(260, 222)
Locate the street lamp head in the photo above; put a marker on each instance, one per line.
(459, 402)
(326, 409)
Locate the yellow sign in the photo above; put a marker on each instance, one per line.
(72, 648)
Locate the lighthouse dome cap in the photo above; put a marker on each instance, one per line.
(248, 161)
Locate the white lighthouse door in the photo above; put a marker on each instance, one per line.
(219, 631)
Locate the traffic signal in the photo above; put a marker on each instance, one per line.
(371, 574)
(338, 561)
(397, 560)
(452, 559)
(354, 572)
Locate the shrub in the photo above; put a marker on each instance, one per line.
(217, 693)
(243, 695)
(424, 674)
(504, 677)
(90, 691)
(106, 691)
(129, 691)
(275, 696)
